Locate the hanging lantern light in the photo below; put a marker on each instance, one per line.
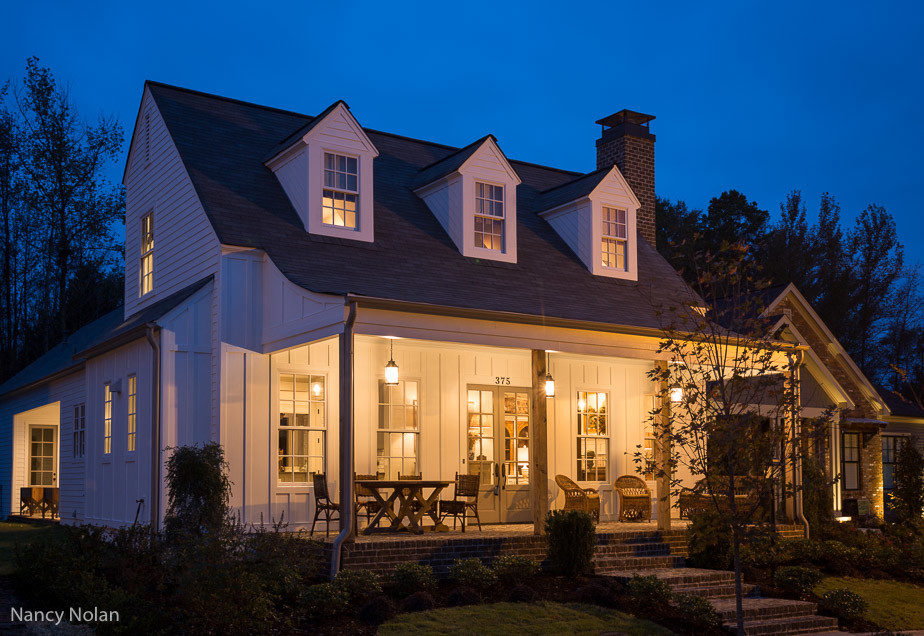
(676, 394)
(549, 381)
(391, 369)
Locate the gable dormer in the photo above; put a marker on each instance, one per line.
(326, 170)
(597, 216)
(473, 194)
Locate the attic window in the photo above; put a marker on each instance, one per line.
(489, 216)
(146, 267)
(614, 238)
(341, 191)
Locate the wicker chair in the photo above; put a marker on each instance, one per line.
(365, 500)
(577, 498)
(464, 498)
(322, 502)
(50, 502)
(30, 499)
(634, 498)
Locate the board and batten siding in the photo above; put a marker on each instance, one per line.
(186, 248)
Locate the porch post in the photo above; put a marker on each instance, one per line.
(539, 453)
(662, 454)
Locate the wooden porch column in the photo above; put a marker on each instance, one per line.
(539, 452)
(662, 455)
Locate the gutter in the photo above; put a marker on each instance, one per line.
(152, 332)
(346, 438)
(797, 469)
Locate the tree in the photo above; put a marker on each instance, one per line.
(832, 276)
(788, 249)
(729, 407)
(908, 497)
(678, 229)
(731, 218)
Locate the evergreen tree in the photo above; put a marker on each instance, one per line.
(788, 250)
(731, 218)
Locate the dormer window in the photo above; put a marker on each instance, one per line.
(340, 205)
(614, 238)
(489, 216)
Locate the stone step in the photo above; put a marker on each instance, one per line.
(678, 576)
(605, 565)
(757, 609)
(810, 624)
(642, 549)
(720, 591)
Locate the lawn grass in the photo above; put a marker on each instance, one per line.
(521, 618)
(12, 533)
(893, 605)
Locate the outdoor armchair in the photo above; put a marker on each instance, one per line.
(577, 498)
(634, 498)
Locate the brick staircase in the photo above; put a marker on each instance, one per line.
(653, 555)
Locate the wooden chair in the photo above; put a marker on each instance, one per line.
(365, 500)
(322, 502)
(577, 498)
(30, 499)
(634, 498)
(464, 499)
(50, 502)
(415, 505)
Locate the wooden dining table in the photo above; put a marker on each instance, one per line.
(398, 506)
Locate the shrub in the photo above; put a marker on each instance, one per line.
(419, 602)
(649, 592)
(359, 586)
(198, 491)
(696, 611)
(797, 581)
(523, 594)
(408, 578)
(816, 500)
(840, 559)
(376, 611)
(463, 595)
(571, 538)
(844, 605)
(472, 573)
(908, 496)
(324, 600)
(709, 542)
(511, 569)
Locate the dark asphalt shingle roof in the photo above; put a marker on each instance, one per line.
(571, 191)
(223, 144)
(67, 354)
(447, 165)
(899, 405)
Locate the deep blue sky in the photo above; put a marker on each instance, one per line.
(803, 95)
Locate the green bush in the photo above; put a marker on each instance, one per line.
(908, 496)
(816, 499)
(198, 491)
(797, 581)
(696, 611)
(410, 578)
(844, 605)
(649, 592)
(360, 586)
(324, 600)
(472, 573)
(511, 569)
(709, 542)
(571, 538)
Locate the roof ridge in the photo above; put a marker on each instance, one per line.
(224, 98)
(477, 142)
(581, 175)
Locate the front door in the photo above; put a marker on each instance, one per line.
(498, 451)
(43, 458)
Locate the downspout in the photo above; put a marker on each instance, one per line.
(153, 335)
(796, 429)
(346, 439)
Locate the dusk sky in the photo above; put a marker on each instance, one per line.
(802, 95)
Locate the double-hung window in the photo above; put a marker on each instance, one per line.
(398, 435)
(80, 429)
(593, 441)
(614, 239)
(340, 201)
(302, 426)
(489, 216)
(132, 419)
(146, 267)
(107, 419)
(890, 446)
(850, 461)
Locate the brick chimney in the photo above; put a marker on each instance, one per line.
(627, 142)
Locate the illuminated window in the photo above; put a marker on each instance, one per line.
(489, 216)
(890, 447)
(132, 420)
(614, 238)
(593, 443)
(340, 205)
(648, 448)
(146, 269)
(107, 419)
(80, 429)
(302, 426)
(398, 436)
(850, 461)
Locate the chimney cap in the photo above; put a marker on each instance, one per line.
(625, 116)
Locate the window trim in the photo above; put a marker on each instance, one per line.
(502, 219)
(107, 419)
(275, 388)
(899, 440)
(131, 414)
(79, 430)
(858, 461)
(379, 380)
(147, 255)
(616, 240)
(357, 226)
(578, 436)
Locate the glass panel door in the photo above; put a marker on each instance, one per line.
(42, 456)
(516, 438)
(481, 435)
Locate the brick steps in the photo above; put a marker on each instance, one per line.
(763, 608)
(809, 624)
(608, 565)
(721, 591)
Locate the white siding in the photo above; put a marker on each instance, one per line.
(242, 299)
(446, 204)
(185, 246)
(293, 315)
(573, 225)
(293, 176)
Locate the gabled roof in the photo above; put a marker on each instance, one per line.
(448, 165)
(899, 406)
(107, 331)
(223, 144)
(570, 191)
(286, 143)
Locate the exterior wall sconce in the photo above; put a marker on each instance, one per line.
(391, 369)
(549, 381)
(676, 394)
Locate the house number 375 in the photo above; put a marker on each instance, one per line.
(499, 379)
